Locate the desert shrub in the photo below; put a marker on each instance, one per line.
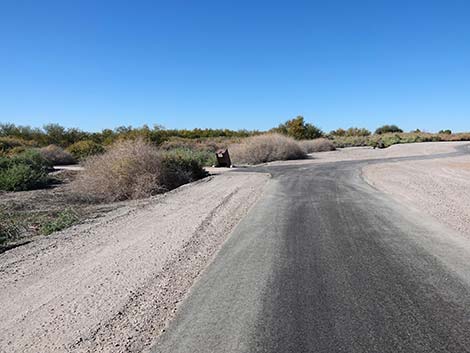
(388, 129)
(132, 169)
(17, 150)
(202, 150)
(62, 220)
(351, 141)
(266, 148)
(298, 129)
(352, 131)
(13, 145)
(317, 145)
(56, 155)
(24, 171)
(202, 157)
(181, 167)
(447, 132)
(83, 149)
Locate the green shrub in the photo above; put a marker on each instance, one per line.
(24, 171)
(352, 131)
(203, 157)
(180, 167)
(13, 145)
(387, 129)
(447, 132)
(64, 219)
(83, 149)
(351, 141)
(298, 129)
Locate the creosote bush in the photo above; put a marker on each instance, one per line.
(133, 169)
(266, 148)
(317, 145)
(180, 167)
(25, 171)
(83, 149)
(13, 145)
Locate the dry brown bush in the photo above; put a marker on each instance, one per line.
(57, 155)
(133, 169)
(317, 145)
(266, 148)
(128, 170)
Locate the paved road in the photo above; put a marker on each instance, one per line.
(325, 263)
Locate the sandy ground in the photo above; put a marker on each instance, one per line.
(437, 187)
(368, 153)
(111, 285)
(395, 151)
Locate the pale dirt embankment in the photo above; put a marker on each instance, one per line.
(111, 285)
(438, 187)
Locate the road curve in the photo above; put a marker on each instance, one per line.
(325, 263)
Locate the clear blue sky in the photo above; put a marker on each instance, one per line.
(235, 64)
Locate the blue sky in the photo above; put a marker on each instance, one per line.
(235, 64)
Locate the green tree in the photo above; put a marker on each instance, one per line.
(299, 129)
(388, 128)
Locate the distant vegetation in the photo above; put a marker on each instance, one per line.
(27, 153)
(53, 134)
(388, 129)
(298, 129)
(80, 144)
(130, 163)
(352, 131)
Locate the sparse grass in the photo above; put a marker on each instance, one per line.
(62, 220)
(133, 169)
(266, 148)
(317, 145)
(56, 155)
(10, 229)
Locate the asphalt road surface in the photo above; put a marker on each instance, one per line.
(325, 263)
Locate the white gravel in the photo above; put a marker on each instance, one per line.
(111, 285)
(438, 187)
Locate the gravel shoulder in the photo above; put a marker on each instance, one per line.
(439, 187)
(113, 283)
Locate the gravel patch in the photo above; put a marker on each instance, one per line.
(112, 284)
(438, 187)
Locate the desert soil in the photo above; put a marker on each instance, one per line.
(438, 187)
(112, 284)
